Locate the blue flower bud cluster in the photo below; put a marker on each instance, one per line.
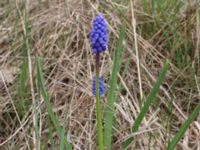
(98, 35)
(101, 86)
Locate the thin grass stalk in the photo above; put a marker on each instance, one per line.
(98, 106)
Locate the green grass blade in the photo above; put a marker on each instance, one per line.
(22, 88)
(183, 128)
(146, 105)
(52, 142)
(63, 133)
(48, 104)
(111, 95)
(61, 147)
(23, 78)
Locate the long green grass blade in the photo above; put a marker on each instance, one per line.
(147, 104)
(111, 95)
(22, 89)
(183, 128)
(48, 104)
(23, 78)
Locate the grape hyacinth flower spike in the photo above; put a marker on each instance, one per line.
(98, 35)
(98, 39)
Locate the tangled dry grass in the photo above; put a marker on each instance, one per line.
(59, 31)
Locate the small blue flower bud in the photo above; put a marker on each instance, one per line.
(101, 86)
(98, 35)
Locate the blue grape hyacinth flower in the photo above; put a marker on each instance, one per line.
(98, 35)
(101, 86)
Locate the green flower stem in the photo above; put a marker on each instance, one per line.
(98, 106)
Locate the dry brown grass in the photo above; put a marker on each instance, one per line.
(59, 31)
